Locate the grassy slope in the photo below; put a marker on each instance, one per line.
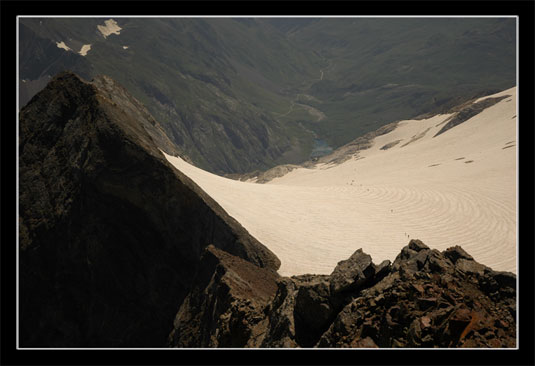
(216, 86)
(381, 70)
(226, 90)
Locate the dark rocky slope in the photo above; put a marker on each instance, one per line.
(469, 111)
(110, 233)
(426, 298)
(226, 306)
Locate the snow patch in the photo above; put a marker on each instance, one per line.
(85, 49)
(110, 27)
(63, 45)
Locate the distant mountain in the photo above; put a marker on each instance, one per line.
(110, 233)
(217, 86)
(382, 70)
(244, 94)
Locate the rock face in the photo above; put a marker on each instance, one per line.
(352, 273)
(468, 112)
(226, 306)
(110, 233)
(426, 298)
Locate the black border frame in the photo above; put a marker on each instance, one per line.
(525, 11)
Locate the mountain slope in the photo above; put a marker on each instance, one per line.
(237, 95)
(215, 85)
(406, 181)
(384, 69)
(110, 233)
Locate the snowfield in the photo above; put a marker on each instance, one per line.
(458, 188)
(110, 27)
(85, 49)
(63, 45)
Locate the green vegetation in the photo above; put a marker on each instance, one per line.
(381, 70)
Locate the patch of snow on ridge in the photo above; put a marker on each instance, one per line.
(63, 45)
(313, 218)
(110, 27)
(85, 49)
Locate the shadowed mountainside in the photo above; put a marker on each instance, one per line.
(110, 233)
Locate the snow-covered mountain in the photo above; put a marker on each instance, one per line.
(453, 185)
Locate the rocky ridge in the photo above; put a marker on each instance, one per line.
(110, 232)
(467, 112)
(425, 298)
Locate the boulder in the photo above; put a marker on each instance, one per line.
(455, 253)
(382, 269)
(352, 273)
(504, 279)
(365, 342)
(313, 309)
(469, 266)
(280, 314)
(417, 245)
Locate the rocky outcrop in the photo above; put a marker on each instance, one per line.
(302, 309)
(426, 298)
(431, 299)
(111, 234)
(469, 111)
(390, 145)
(226, 306)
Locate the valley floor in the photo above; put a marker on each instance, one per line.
(458, 188)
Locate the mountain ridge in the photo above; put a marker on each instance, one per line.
(110, 233)
(424, 299)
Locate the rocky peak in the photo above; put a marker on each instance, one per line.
(111, 234)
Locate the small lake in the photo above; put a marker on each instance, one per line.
(321, 148)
